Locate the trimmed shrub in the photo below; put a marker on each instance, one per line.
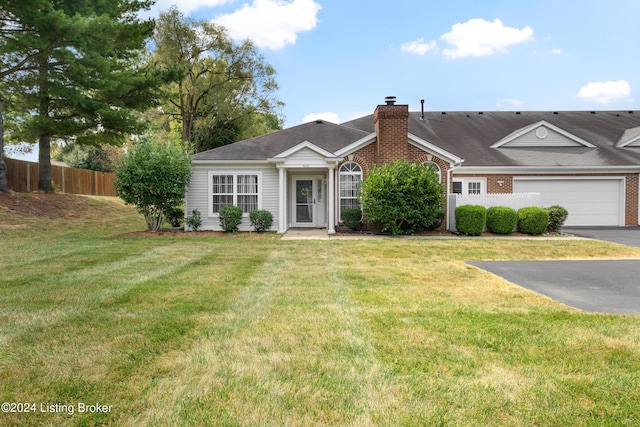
(557, 216)
(230, 218)
(174, 215)
(194, 221)
(501, 219)
(533, 220)
(261, 220)
(470, 219)
(403, 197)
(352, 218)
(153, 177)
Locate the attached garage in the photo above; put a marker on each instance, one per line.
(590, 201)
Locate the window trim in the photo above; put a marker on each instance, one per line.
(235, 194)
(465, 184)
(342, 173)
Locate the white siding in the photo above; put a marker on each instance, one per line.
(198, 193)
(305, 158)
(553, 139)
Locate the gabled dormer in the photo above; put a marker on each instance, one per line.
(630, 138)
(305, 155)
(541, 134)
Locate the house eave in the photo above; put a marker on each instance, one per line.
(357, 145)
(418, 142)
(557, 170)
(228, 162)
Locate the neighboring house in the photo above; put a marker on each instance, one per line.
(586, 161)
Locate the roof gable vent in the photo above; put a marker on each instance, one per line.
(541, 134)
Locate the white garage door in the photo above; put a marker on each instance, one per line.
(590, 202)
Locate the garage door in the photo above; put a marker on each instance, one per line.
(590, 202)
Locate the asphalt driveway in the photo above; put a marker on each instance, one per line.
(624, 235)
(611, 286)
(604, 286)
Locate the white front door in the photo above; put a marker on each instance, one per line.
(308, 201)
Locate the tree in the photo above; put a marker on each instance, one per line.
(12, 63)
(153, 177)
(223, 86)
(404, 197)
(101, 159)
(4, 184)
(75, 75)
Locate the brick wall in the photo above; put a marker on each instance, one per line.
(631, 208)
(392, 128)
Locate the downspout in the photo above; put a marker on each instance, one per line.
(450, 188)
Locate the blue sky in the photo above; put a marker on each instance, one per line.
(338, 59)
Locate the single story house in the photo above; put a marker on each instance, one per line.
(586, 161)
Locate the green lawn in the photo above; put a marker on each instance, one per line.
(252, 330)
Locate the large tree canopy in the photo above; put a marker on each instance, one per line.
(68, 70)
(226, 90)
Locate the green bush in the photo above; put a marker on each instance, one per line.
(261, 220)
(403, 197)
(194, 221)
(501, 219)
(470, 219)
(352, 218)
(533, 220)
(230, 218)
(174, 215)
(557, 216)
(153, 177)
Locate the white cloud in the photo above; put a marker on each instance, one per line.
(557, 51)
(508, 104)
(419, 46)
(271, 24)
(605, 92)
(328, 116)
(478, 37)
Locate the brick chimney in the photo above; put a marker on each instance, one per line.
(391, 122)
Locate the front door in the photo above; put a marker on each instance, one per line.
(308, 201)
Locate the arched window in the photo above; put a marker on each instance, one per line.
(350, 179)
(434, 166)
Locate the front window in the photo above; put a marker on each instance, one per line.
(235, 190)
(434, 167)
(350, 185)
(248, 192)
(474, 187)
(222, 192)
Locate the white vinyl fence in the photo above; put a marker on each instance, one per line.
(511, 200)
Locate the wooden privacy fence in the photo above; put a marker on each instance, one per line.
(23, 178)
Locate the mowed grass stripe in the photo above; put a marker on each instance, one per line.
(99, 340)
(290, 350)
(53, 299)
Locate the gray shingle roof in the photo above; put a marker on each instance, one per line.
(468, 135)
(326, 135)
